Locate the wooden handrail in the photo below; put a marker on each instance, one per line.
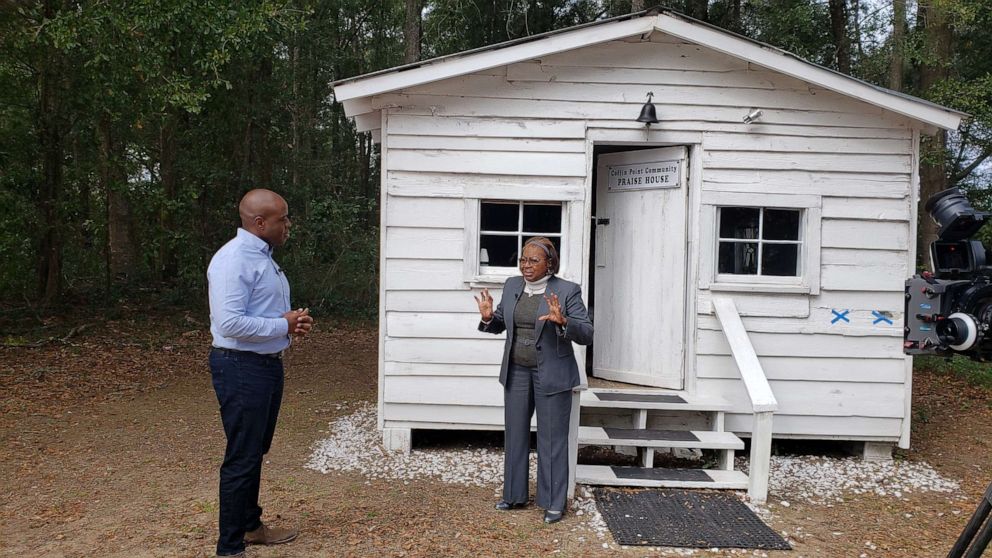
(762, 398)
(763, 402)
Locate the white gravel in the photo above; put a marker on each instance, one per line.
(820, 480)
(354, 445)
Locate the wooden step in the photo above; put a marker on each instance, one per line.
(648, 438)
(658, 477)
(666, 400)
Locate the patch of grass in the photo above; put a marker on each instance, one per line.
(206, 506)
(976, 373)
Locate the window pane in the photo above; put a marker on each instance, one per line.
(739, 222)
(738, 258)
(780, 259)
(542, 218)
(500, 216)
(498, 250)
(781, 224)
(556, 240)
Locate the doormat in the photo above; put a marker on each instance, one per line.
(684, 519)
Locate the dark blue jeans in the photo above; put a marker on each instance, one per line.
(249, 390)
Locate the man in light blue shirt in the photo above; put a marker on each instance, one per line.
(251, 322)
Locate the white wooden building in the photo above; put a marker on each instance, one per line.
(746, 253)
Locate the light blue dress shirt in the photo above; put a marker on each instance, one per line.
(249, 294)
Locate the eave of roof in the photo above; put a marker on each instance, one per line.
(352, 90)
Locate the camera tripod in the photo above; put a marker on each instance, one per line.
(977, 533)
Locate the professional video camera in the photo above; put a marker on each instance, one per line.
(949, 310)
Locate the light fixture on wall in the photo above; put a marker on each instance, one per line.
(648, 114)
(752, 116)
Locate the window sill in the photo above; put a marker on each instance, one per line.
(759, 288)
(488, 280)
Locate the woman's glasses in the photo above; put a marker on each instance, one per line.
(530, 261)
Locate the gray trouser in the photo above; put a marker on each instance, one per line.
(521, 397)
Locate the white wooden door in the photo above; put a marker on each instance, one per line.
(639, 305)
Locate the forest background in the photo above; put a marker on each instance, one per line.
(130, 128)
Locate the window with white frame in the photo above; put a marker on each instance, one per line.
(759, 242)
(505, 226)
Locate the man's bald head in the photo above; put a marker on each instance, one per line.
(265, 214)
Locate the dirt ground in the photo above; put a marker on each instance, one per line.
(110, 441)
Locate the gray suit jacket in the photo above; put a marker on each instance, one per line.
(555, 356)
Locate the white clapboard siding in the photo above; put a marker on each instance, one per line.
(458, 143)
(892, 301)
(435, 369)
(425, 212)
(453, 416)
(813, 426)
(825, 399)
(713, 342)
(444, 390)
(855, 185)
(435, 125)
(809, 369)
(845, 269)
(436, 301)
(618, 54)
(738, 127)
(865, 235)
(819, 322)
(868, 209)
(799, 144)
(847, 162)
(446, 351)
(425, 244)
(511, 187)
(757, 304)
(440, 325)
(744, 78)
(725, 94)
(407, 274)
(487, 162)
(571, 110)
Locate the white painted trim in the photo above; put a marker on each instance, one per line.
(453, 67)
(383, 214)
(760, 392)
(914, 200)
(713, 38)
(800, 69)
(693, 236)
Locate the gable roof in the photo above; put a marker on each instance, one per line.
(356, 93)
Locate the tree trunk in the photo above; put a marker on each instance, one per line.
(120, 251)
(897, 60)
(50, 138)
(735, 16)
(933, 177)
(838, 29)
(412, 30)
(636, 5)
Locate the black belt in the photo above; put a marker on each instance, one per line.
(273, 356)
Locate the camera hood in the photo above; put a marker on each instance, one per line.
(954, 214)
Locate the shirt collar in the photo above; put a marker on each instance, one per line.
(252, 241)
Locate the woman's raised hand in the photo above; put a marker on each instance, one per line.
(554, 314)
(485, 302)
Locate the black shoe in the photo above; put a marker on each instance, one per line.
(503, 505)
(553, 516)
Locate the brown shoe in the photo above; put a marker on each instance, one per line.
(270, 535)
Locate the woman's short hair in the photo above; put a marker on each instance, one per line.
(549, 250)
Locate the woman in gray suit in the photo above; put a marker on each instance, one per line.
(538, 372)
